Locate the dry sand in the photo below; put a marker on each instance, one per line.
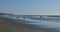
(6, 26)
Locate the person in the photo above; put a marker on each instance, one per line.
(17, 17)
(24, 18)
(40, 17)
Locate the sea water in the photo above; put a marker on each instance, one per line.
(51, 24)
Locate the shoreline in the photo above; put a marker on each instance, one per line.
(19, 27)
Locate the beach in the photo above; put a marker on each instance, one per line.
(7, 26)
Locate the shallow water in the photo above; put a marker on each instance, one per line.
(51, 24)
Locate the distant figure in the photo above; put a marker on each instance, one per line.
(40, 17)
(17, 17)
(24, 18)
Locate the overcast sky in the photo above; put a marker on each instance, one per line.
(30, 7)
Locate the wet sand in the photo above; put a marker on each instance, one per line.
(6, 26)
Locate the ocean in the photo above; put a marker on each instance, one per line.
(47, 22)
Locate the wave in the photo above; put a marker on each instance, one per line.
(55, 24)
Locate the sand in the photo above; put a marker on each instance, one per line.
(6, 26)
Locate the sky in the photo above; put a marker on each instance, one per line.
(30, 7)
